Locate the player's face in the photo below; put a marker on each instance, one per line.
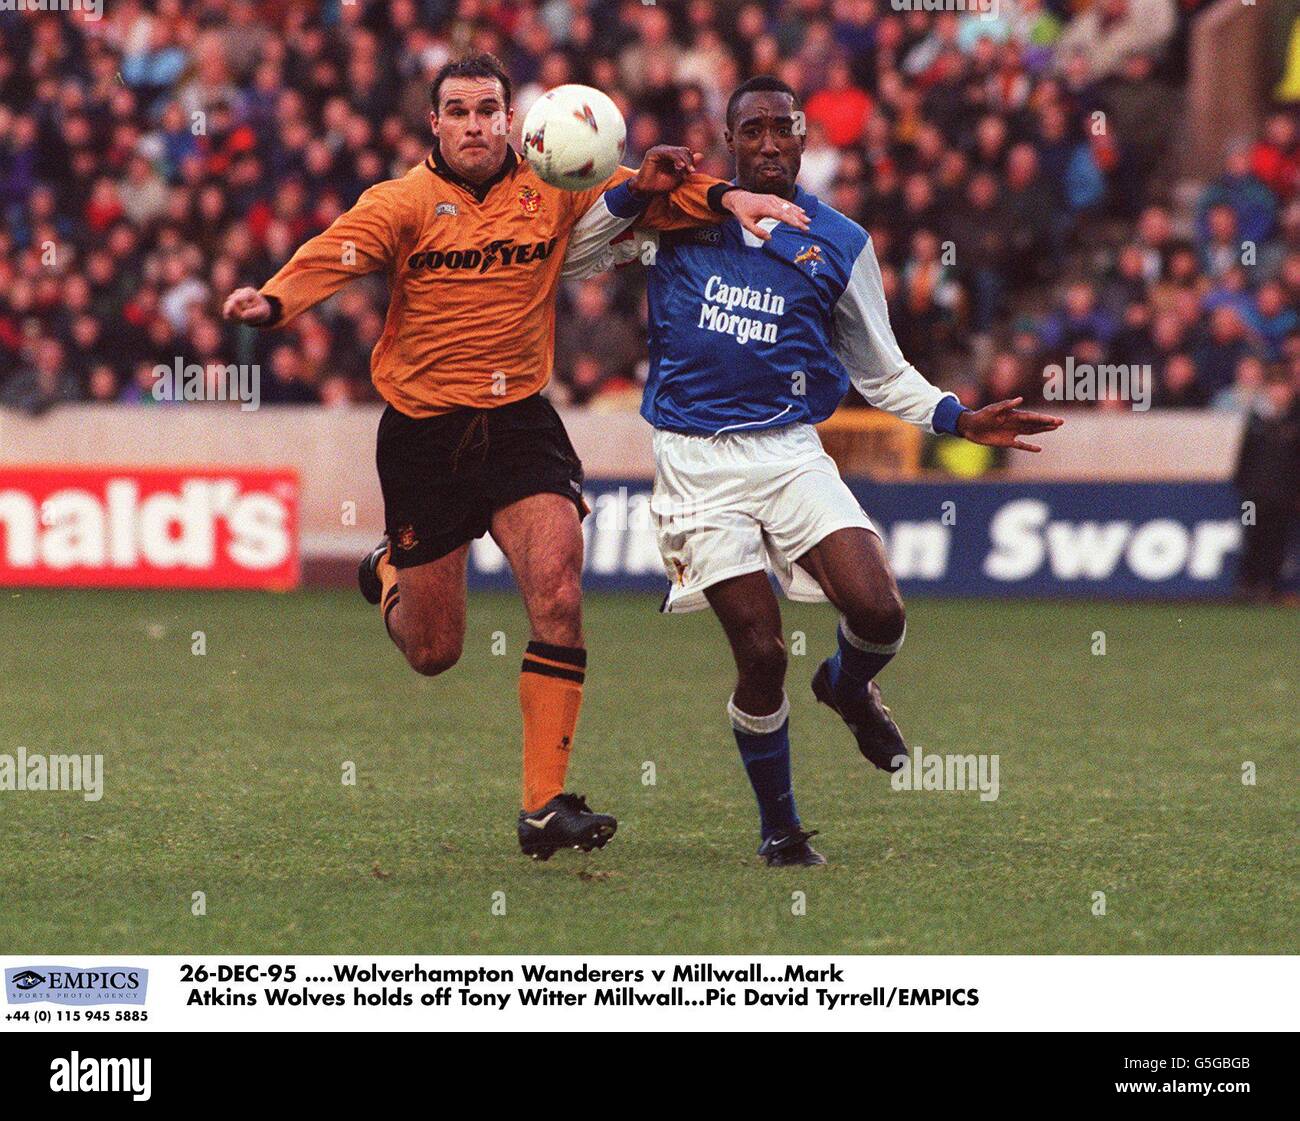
(767, 142)
(472, 125)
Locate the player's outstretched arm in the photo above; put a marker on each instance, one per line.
(362, 240)
(606, 212)
(665, 193)
(700, 200)
(864, 341)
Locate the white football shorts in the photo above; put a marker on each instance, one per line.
(745, 502)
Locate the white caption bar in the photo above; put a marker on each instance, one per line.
(286, 993)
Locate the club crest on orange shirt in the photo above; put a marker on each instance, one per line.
(405, 538)
(811, 255)
(529, 200)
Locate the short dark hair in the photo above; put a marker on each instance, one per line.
(762, 83)
(482, 65)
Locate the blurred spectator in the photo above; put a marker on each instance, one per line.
(1246, 393)
(1274, 318)
(285, 382)
(1268, 476)
(841, 108)
(980, 230)
(1224, 346)
(1077, 319)
(1178, 387)
(1275, 158)
(1109, 31)
(1240, 191)
(596, 348)
(1007, 377)
(41, 383)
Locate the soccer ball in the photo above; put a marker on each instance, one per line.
(574, 137)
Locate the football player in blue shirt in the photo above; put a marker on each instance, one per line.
(753, 340)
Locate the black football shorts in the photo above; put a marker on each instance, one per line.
(444, 476)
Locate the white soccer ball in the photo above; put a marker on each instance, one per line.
(574, 137)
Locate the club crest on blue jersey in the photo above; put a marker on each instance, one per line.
(810, 255)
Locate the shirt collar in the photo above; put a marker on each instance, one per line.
(802, 198)
(439, 166)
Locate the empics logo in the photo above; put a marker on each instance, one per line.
(82, 986)
(76, 1074)
(27, 979)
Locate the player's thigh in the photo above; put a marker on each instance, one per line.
(541, 537)
(433, 604)
(807, 500)
(853, 570)
(434, 496)
(705, 532)
(750, 615)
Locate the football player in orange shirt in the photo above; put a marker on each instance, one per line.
(474, 246)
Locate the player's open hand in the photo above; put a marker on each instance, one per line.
(246, 305)
(664, 168)
(1001, 425)
(750, 209)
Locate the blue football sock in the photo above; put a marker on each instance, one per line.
(856, 662)
(764, 743)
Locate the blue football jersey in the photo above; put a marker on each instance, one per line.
(747, 334)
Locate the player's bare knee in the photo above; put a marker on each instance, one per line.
(431, 659)
(879, 619)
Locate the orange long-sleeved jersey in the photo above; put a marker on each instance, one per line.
(472, 275)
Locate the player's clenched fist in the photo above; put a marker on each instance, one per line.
(247, 305)
(664, 168)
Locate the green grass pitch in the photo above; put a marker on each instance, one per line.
(1119, 774)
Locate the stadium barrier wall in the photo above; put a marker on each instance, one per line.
(1171, 528)
(1078, 540)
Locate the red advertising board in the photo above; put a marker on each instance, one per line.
(147, 527)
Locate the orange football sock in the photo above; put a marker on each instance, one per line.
(550, 695)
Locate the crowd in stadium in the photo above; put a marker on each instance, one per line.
(1011, 169)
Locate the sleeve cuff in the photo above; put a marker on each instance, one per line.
(277, 311)
(946, 413)
(623, 202)
(715, 196)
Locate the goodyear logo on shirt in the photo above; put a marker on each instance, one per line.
(502, 252)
